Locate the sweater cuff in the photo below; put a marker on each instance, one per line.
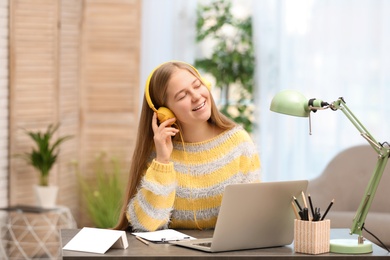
(162, 167)
(160, 173)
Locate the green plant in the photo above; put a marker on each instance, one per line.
(103, 192)
(44, 155)
(232, 61)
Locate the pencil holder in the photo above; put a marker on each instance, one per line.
(312, 237)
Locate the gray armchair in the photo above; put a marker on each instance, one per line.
(345, 179)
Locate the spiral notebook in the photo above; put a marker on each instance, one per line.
(252, 215)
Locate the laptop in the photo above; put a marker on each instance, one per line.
(252, 215)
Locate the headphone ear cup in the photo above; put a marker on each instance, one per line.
(207, 83)
(164, 114)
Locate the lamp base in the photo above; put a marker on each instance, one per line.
(350, 246)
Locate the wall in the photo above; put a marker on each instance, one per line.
(74, 62)
(109, 86)
(3, 103)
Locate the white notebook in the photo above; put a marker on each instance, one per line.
(97, 240)
(164, 235)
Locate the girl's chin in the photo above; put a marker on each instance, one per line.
(196, 120)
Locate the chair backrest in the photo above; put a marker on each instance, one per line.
(345, 179)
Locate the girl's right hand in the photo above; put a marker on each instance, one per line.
(163, 134)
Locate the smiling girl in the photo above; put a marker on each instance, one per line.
(185, 157)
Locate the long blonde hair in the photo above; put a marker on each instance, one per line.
(145, 144)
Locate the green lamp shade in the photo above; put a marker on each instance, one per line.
(290, 102)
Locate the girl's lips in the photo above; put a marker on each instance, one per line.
(199, 107)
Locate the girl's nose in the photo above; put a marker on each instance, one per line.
(195, 95)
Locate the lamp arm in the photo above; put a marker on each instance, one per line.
(365, 204)
(383, 152)
(341, 105)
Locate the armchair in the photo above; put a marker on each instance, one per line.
(353, 166)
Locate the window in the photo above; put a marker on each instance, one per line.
(326, 50)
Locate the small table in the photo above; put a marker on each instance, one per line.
(138, 250)
(28, 232)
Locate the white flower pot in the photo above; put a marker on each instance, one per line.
(46, 196)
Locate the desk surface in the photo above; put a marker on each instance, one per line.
(137, 249)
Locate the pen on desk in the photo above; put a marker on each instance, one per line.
(295, 210)
(142, 240)
(296, 202)
(326, 211)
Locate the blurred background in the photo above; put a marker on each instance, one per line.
(83, 64)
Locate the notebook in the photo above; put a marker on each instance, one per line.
(252, 215)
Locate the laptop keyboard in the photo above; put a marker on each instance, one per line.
(207, 244)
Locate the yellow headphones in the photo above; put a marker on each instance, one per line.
(164, 113)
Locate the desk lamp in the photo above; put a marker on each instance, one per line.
(293, 103)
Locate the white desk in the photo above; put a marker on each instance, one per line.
(33, 233)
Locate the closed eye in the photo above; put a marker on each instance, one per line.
(182, 96)
(198, 84)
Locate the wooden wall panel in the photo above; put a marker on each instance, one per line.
(4, 103)
(75, 62)
(33, 85)
(69, 100)
(110, 80)
(110, 84)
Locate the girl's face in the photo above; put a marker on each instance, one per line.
(188, 98)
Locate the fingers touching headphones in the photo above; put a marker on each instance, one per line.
(163, 134)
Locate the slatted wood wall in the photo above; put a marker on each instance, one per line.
(110, 66)
(75, 62)
(70, 18)
(109, 81)
(4, 103)
(33, 85)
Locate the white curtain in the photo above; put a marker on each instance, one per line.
(168, 33)
(323, 49)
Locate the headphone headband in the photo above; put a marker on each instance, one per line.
(147, 95)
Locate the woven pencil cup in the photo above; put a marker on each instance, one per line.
(312, 237)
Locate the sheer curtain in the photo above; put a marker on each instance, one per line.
(168, 33)
(323, 49)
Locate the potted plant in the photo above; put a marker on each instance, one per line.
(102, 191)
(231, 58)
(42, 157)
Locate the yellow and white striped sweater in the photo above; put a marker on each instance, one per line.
(187, 192)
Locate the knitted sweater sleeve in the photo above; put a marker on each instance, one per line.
(151, 207)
